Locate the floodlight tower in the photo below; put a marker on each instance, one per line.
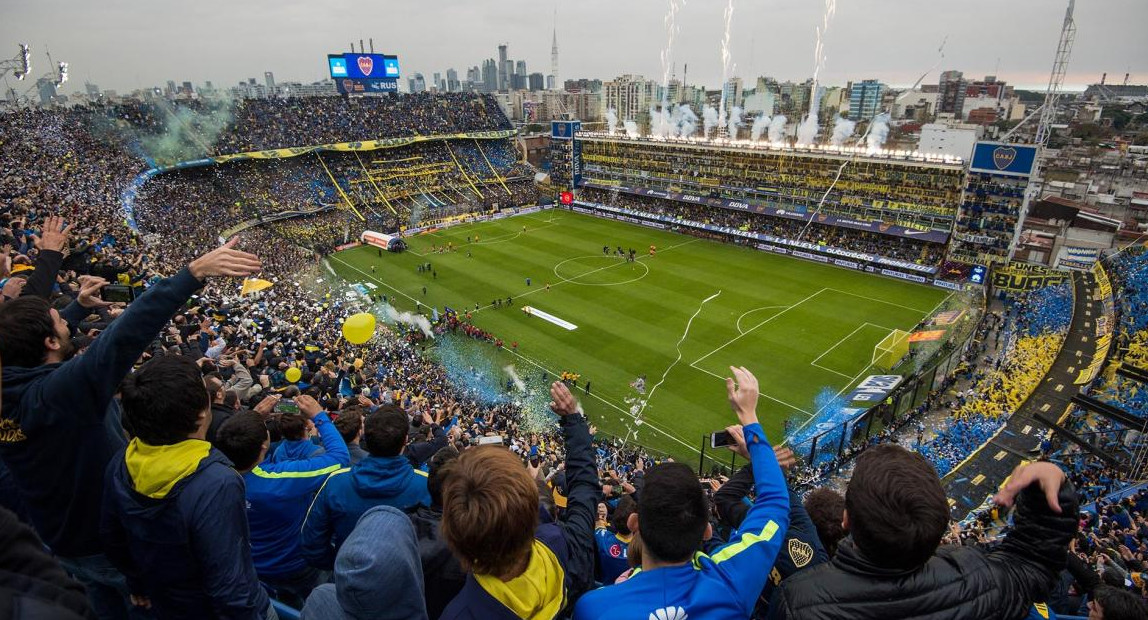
(1047, 118)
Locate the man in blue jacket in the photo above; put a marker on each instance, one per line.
(174, 517)
(518, 568)
(278, 495)
(385, 478)
(675, 580)
(59, 428)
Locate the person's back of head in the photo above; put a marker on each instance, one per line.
(621, 517)
(1109, 603)
(673, 513)
(825, 508)
(293, 426)
(895, 507)
(350, 424)
(165, 402)
(438, 466)
(385, 431)
(243, 439)
(29, 327)
(490, 511)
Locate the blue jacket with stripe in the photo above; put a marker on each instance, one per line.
(278, 495)
(348, 493)
(725, 584)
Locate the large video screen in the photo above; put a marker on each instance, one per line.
(363, 66)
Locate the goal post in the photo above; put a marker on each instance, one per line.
(891, 350)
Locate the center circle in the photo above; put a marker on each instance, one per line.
(600, 271)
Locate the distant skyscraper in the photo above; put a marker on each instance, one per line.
(865, 99)
(269, 78)
(520, 68)
(474, 78)
(553, 79)
(452, 84)
(503, 68)
(438, 83)
(417, 83)
(489, 75)
(91, 89)
(537, 81)
(47, 90)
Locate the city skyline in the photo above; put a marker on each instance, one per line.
(156, 44)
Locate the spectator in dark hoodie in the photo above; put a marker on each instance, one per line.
(385, 478)
(57, 404)
(518, 568)
(174, 517)
(377, 573)
(442, 571)
(278, 495)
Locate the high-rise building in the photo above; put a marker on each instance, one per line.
(732, 93)
(417, 83)
(452, 84)
(520, 67)
(629, 95)
(490, 75)
(474, 78)
(951, 93)
(438, 83)
(865, 99)
(553, 77)
(537, 81)
(504, 68)
(269, 78)
(92, 90)
(47, 90)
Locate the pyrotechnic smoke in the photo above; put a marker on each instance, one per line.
(611, 121)
(187, 134)
(777, 128)
(513, 374)
(687, 121)
(842, 129)
(807, 130)
(878, 131)
(734, 122)
(709, 119)
(759, 127)
(631, 128)
(408, 318)
(667, 63)
(661, 125)
(725, 56)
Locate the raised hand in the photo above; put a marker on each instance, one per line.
(55, 234)
(743, 393)
(1048, 476)
(89, 296)
(562, 402)
(308, 406)
(225, 261)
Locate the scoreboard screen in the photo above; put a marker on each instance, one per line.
(363, 66)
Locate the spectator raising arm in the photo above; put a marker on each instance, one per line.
(582, 488)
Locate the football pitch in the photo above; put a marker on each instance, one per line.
(679, 318)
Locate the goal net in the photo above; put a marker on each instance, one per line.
(891, 350)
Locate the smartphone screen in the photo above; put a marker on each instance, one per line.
(719, 439)
(286, 405)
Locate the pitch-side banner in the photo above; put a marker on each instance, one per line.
(755, 206)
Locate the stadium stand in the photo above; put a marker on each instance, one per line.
(65, 350)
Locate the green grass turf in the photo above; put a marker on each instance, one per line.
(803, 328)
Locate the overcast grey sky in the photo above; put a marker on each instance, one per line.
(125, 44)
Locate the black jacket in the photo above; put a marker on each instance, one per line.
(442, 572)
(958, 583)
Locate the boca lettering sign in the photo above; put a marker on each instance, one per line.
(1021, 277)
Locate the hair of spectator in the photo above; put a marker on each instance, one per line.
(1119, 604)
(672, 513)
(164, 400)
(896, 506)
(490, 510)
(626, 507)
(437, 472)
(24, 324)
(293, 426)
(825, 508)
(350, 423)
(241, 439)
(385, 431)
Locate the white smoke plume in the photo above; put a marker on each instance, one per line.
(631, 128)
(842, 129)
(686, 120)
(734, 122)
(519, 384)
(777, 128)
(759, 127)
(878, 131)
(611, 121)
(807, 130)
(407, 318)
(709, 119)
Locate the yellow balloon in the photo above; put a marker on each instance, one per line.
(293, 374)
(358, 328)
